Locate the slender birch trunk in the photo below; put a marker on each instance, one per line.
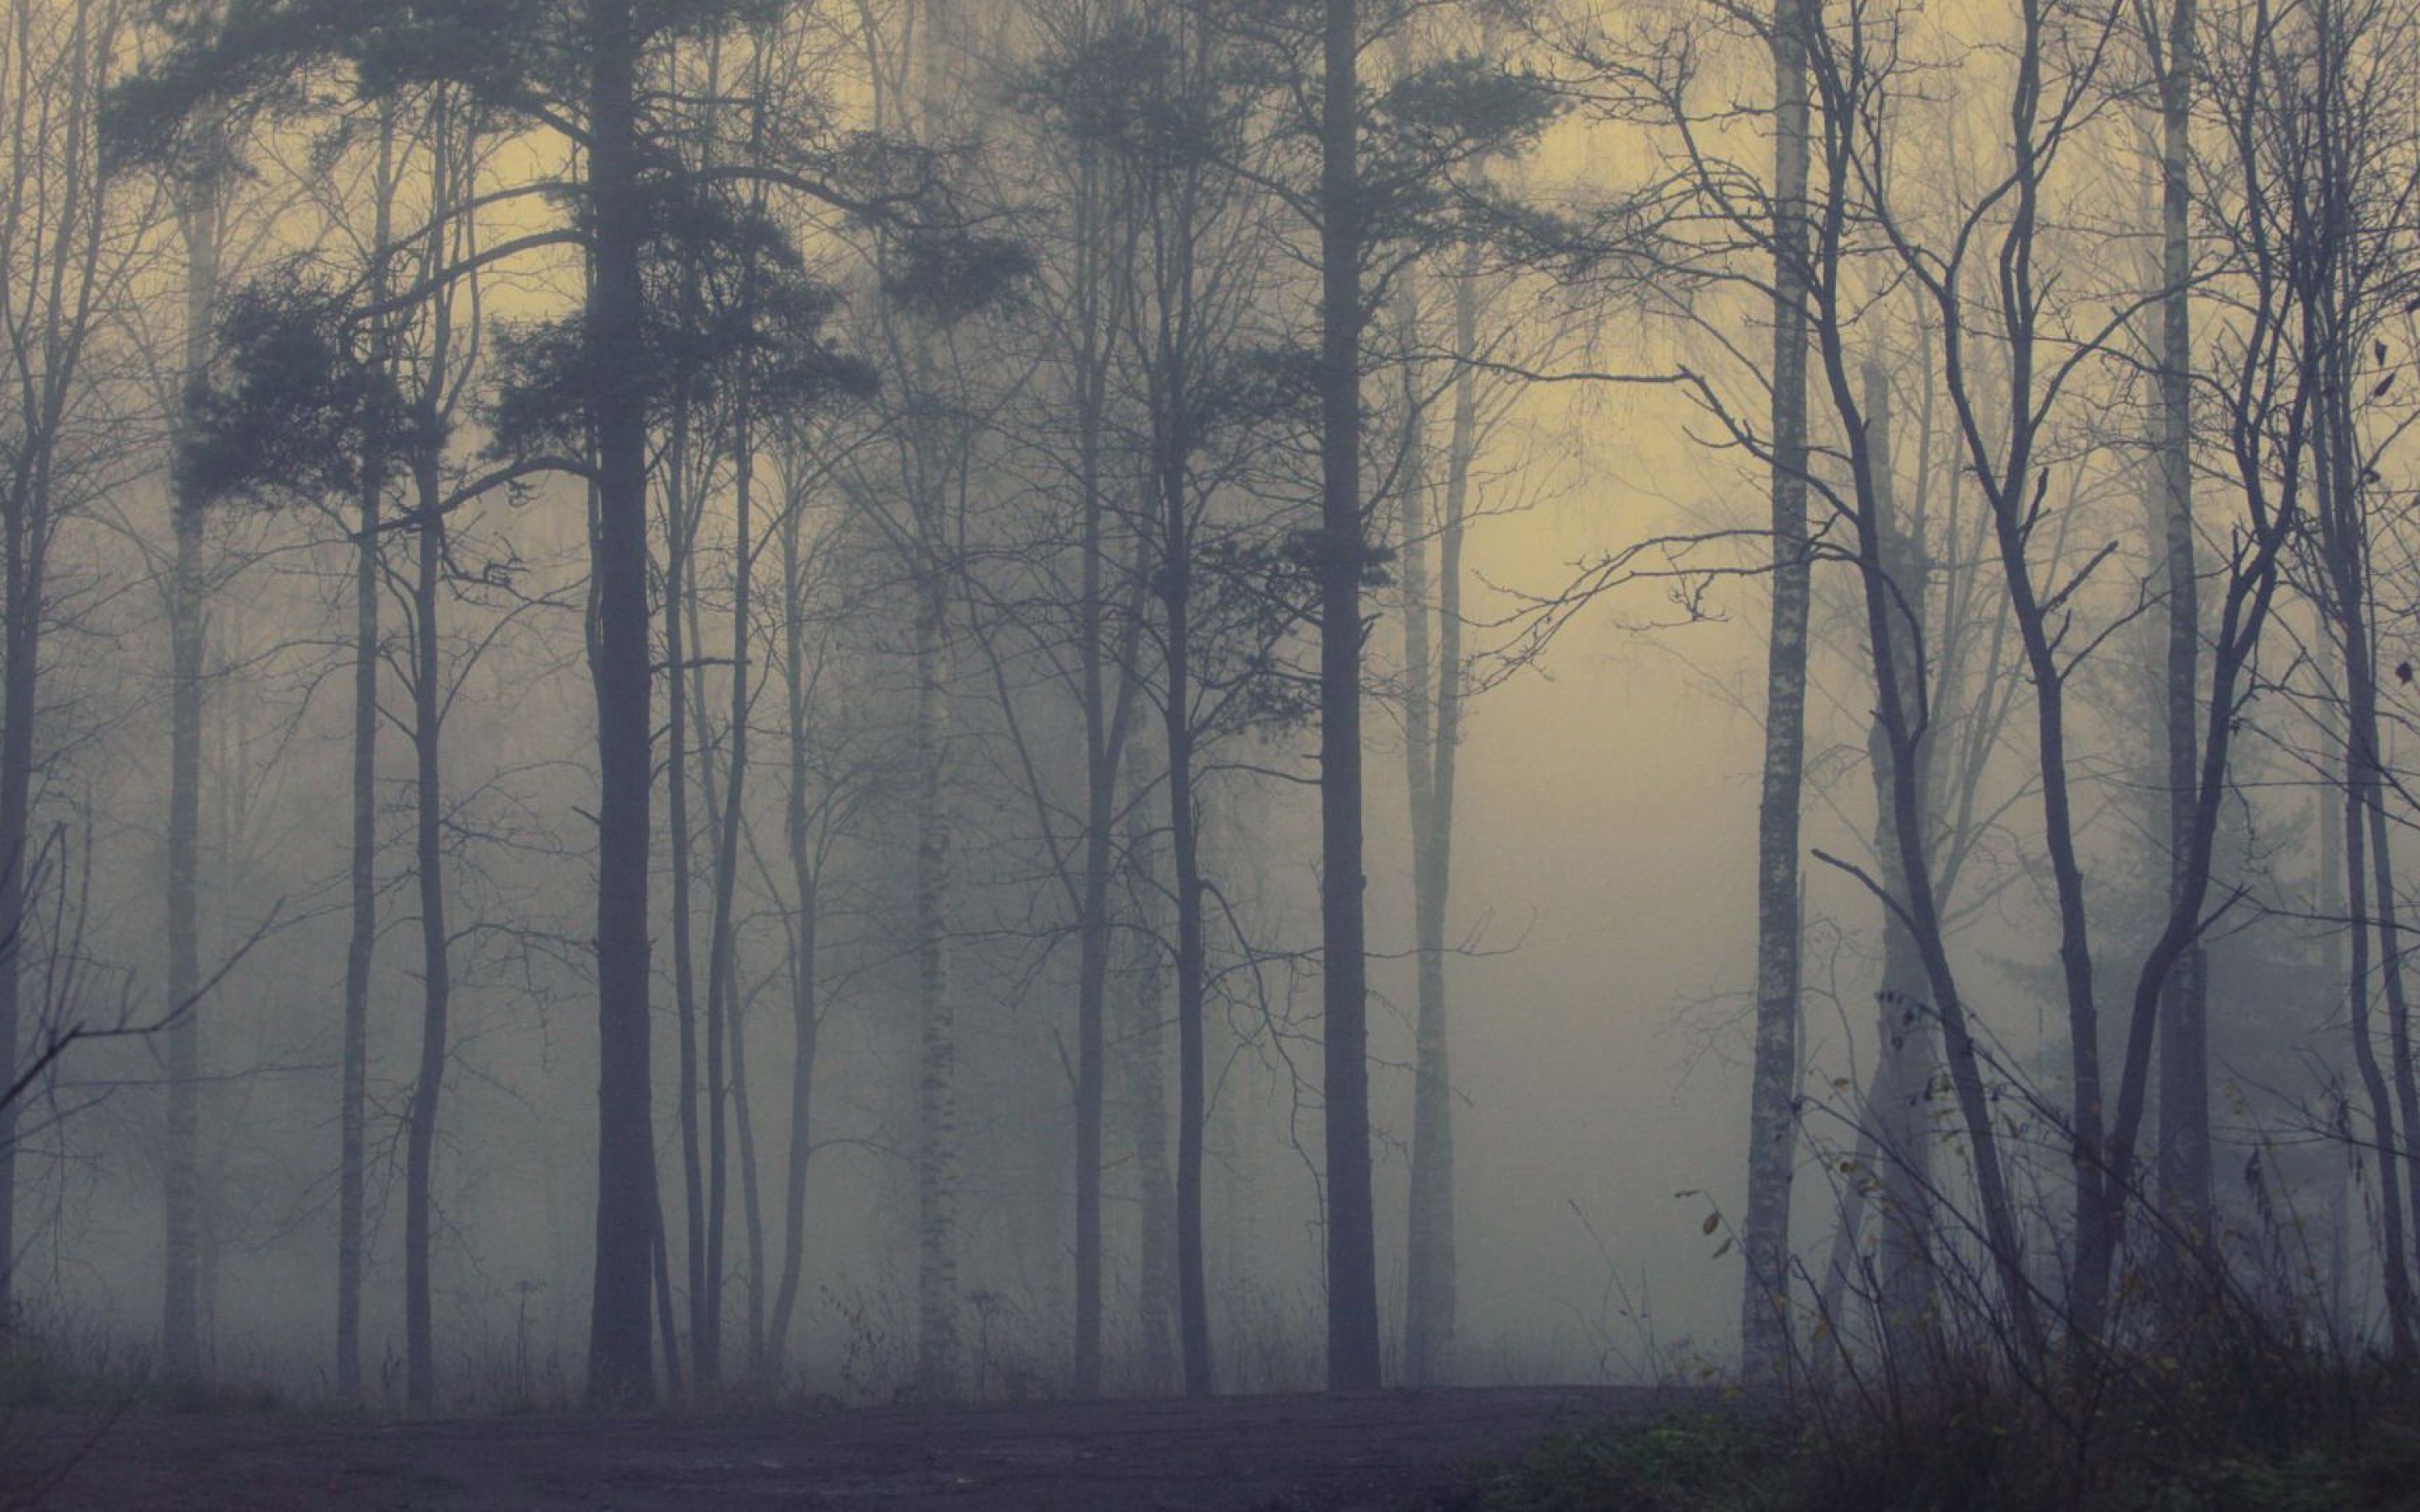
(1772, 1125)
(2184, 1158)
(937, 1145)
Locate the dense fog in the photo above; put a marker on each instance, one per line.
(853, 487)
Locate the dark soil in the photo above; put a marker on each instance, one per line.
(1333, 1453)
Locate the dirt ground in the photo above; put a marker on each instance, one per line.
(1374, 1452)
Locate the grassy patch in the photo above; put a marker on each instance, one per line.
(1707, 1463)
(1966, 1464)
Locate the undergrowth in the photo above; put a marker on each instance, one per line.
(2311, 1440)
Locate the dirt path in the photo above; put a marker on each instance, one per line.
(1251, 1454)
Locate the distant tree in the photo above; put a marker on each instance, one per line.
(1084, 616)
(1396, 178)
(70, 243)
(577, 68)
(2317, 232)
(2184, 1161)
(201, 220)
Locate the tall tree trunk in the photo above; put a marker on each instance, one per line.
(937, 1145)
(2345, 541)
(938, 1154)
(721, 944)
(427, 714)
(1092, 989)
(1898, 1116)
(427, 744)
(806, 1016)
(1422, 1346)
(660, 1266)
(1104, 733)
(1772, 1125)
(1435, 718)
(1192, 1099)
(2328, 804)
(2395, 1273)
(1353, 1359)
(26, 521)
(619, 1368)
(751, 1205)
(2398, 998)
(58, 309)
(180, 1318)
(2183, 1155)
(20, 701)
(2351, 543)
(680, 526)
(1903, 719)
(1092, 994)
(361, 943)
(1145, 1037)
(725, 999)
(1173, 442)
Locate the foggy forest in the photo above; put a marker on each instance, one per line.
(853, 703)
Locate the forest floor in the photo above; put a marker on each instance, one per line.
(1360, 1452)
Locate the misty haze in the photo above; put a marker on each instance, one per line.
(1505, 754)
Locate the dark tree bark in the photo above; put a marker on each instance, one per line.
(1353, 1361)
(449, 147)
(2396, 1274)
(428, 702)
(722, 1014)
(727, 808)
(680, 531)
(1184, 846)
(2343, 542)
(428, 860)
(619, 1368)
(1172, 443)
(752, 1201)
(1107, 715)
(660, 1266)
(1902, 708)
(361, 942)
